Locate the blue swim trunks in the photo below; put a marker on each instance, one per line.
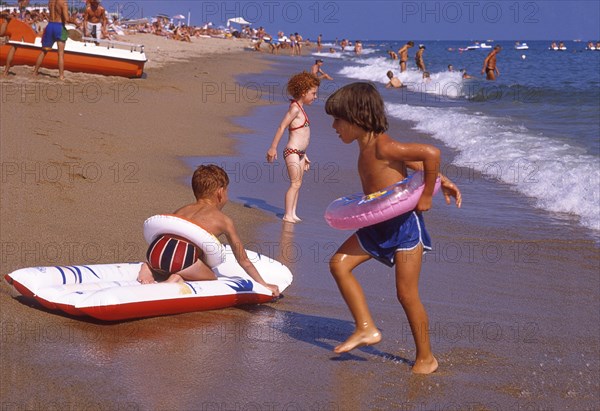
(383, 240)
(54, 32)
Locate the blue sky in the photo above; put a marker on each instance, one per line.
(393, 19)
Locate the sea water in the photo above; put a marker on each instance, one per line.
(536, 128)
(534, 131)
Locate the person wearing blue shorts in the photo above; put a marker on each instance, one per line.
(359, 115)
(55, 32)
(402, 233)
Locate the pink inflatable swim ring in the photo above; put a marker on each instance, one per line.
(359, 210)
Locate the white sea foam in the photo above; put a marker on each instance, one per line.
(447, 84)
(558, 174)
(560, 177)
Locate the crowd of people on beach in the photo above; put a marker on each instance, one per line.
(94, 20)
(94, 23)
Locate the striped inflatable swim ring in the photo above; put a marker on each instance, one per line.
(213, 250)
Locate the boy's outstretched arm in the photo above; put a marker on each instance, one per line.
(448, 187)
(242, 258)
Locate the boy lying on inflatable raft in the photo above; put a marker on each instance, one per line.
(180, 253)
(190, 254)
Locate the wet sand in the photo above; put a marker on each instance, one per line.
(507, 287)
(513, 304)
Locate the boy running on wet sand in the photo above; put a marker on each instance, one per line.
(209, 184)
(359, 115)
(303, 88)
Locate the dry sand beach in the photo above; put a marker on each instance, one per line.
(86, 161)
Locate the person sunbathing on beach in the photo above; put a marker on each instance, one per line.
(359, 115)
(209, 183)
(303, 88)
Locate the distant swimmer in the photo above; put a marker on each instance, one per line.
(393, 55)
(343, 44)
(419, 58)
(403, 53)
(394, 81)
(465, 75)
(489, 64)
(358, 47)
(318, 72)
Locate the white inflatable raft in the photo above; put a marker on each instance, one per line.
(111, 292)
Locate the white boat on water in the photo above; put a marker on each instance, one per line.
(478, 46)
(557, 47)
(521, 46)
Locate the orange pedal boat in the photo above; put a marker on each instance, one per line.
(88, 56)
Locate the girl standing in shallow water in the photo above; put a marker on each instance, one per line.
(303, 88)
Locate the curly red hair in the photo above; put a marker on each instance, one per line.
(300, 83)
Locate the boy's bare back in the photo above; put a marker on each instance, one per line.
(383, 161)
(206, 215)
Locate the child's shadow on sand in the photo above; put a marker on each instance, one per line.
(320, 332)
(262, 205)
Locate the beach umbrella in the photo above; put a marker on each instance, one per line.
(237, 20)
(179, 17)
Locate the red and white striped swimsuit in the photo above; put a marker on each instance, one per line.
(169, 254)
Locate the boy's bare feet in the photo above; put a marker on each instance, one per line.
(425, 366)
(145, 275)
(290, 219)
(359, 338)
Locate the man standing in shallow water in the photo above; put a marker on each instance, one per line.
(403, 53)
(55, 31)
(489, 64)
